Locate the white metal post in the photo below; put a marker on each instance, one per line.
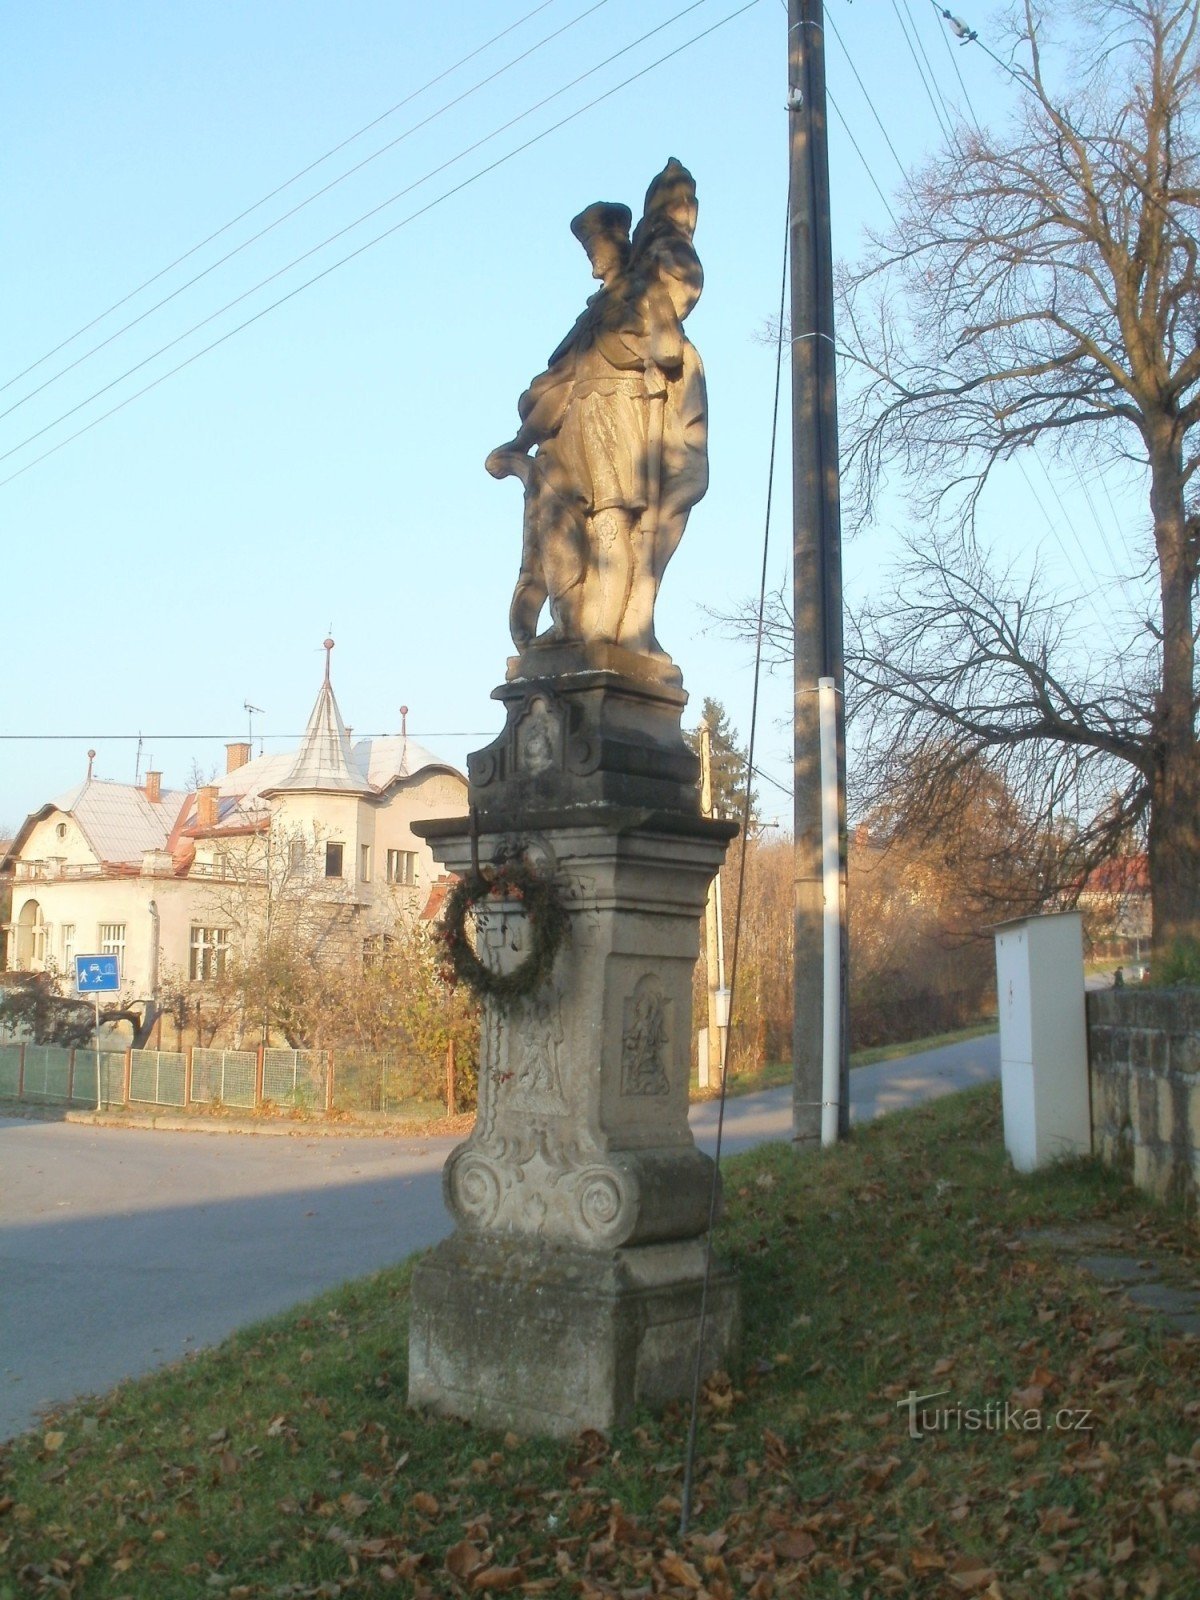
(831, 1042)
(99, 1092)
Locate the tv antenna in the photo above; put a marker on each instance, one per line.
(251, 713)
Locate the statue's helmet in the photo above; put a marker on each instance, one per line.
(606, 219)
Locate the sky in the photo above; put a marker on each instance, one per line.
(320, 469)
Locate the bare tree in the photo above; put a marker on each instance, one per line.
(1041, 290)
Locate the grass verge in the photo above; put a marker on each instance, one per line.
(285, 1464)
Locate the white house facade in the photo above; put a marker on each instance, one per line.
(161, 877)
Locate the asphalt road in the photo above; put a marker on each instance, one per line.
(121, 1249)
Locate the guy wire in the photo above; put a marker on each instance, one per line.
(693, 1417)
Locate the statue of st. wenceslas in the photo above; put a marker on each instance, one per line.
(618, 427)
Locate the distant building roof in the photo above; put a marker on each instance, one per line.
(117, 819)
(120, 823)
(324, 760)
(1121, 875)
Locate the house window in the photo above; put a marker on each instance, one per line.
(296, 855)
(61, 830)
(208, 953)
(333, 859)
(112, 942)
(402, 867)
(68, 948)
(364, 862)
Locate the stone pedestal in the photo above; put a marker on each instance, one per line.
(571, 1290)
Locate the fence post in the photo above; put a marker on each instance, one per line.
(71, 1075)
(451, 1087)
(187, 1077)
(21, 1070)
(127, 1079)
(329, 1081)
(258, 1079)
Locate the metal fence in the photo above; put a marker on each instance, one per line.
(358, 1082)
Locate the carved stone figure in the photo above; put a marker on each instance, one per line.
(617, 426)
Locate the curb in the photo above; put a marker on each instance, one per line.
(268, 1127)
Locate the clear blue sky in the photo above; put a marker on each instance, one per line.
(323, 468)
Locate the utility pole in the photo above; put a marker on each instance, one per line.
(819, 1036)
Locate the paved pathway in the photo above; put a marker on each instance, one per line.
(122, 1249)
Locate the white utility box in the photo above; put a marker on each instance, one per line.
(1043, 1039)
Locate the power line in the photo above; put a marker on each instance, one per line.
(300, 206)
(966, 38)
(849, 132)
(258, 204)
(237, 738)
(867, 96)
(714, 1190)
(375, 210)
(947, 134)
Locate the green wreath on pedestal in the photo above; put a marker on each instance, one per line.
(544, 911)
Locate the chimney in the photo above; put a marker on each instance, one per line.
(154, 787)
(236, 755)
(206, 806)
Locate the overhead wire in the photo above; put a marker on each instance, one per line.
(1087, 592)
(943, 14)
(278, 190)
(870, 171)
(311, 199)
(866, 95)
(946, 132)
(352, 255)
(118, 738)
(933, 77)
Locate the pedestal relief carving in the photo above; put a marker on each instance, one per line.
(646, 1040)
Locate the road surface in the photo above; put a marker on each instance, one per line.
(121, 1249)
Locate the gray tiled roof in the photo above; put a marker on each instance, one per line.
(117, 819)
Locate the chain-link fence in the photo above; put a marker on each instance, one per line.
(225, 1078)
(361, 1083)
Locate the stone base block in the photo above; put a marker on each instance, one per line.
(513, 1333)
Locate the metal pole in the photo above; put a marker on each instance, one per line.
(99, 1091)
(817, 567)
(711, 1066)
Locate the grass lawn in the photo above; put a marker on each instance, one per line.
(285, 1464)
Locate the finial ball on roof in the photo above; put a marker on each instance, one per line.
(91, 755)
(329, 644)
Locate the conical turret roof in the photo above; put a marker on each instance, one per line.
(324, 760)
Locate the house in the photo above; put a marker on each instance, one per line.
(169, 880)
(1115, 901)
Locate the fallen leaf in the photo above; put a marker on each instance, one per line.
(492, 1580)
(795, 1545)
(53, 1442)
(425, 1504)
(464, 1559)
(971, 1578)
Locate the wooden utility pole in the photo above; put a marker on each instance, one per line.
(817, 570)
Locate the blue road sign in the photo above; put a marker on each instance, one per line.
(96, 974)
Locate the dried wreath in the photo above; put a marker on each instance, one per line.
(548, 926)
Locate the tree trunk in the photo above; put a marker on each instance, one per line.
(1174, 828)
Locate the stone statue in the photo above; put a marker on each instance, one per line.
(618, 427)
